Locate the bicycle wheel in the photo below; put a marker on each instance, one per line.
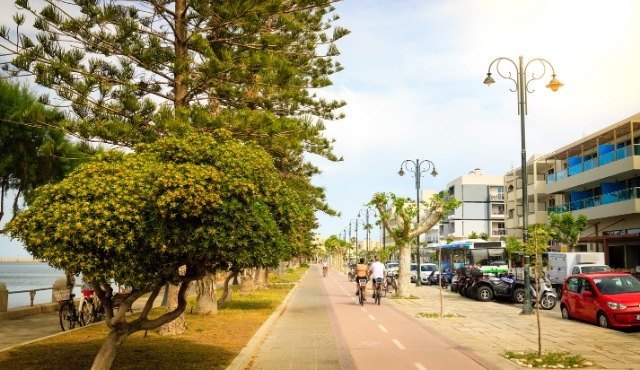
(87, 313)
(378, 294)
(361, 297)
(66, 314)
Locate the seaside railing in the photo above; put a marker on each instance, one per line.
(58, 285)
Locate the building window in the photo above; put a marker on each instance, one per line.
(612, 232)
(511, 213)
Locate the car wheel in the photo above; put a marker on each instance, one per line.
(565, 312)
(518, 295)
(602, 320)
(484, 293)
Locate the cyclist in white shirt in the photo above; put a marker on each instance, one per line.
(376, 271)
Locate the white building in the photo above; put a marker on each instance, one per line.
(482, 211)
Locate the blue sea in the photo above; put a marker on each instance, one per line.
(28, 275)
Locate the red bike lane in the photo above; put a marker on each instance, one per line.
(381, 337)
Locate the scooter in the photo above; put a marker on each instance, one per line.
(548, 297)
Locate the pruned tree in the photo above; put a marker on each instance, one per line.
(401, 225)
(132, 72)
(137, 218)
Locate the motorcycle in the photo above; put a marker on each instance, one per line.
(436, 278)
(502, 287)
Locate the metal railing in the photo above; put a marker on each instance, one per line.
(592, 163)
(608, 198)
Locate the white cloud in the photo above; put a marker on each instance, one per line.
(413, 81)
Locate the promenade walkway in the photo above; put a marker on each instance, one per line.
(482, 331)
(310, 331)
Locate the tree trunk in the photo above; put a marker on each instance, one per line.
(206, 291)
(247, 285)
(404, 272)
(260, 278)
(179, 325)
(71, 280)
(106, 355)
(226, 293)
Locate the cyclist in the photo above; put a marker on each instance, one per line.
(361, 273)
(325, 267)
(376, 271)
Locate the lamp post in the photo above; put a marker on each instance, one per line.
(417, 167)
(357, 221)
(367, 227)
(521, 88)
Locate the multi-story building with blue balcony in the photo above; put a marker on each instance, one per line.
(597, 176)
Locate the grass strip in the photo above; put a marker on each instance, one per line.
(211, 342)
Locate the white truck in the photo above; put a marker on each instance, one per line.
(562, 264)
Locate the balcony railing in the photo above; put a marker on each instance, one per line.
(608, 198)
(592, 163)
(498, 232)
(498, 196)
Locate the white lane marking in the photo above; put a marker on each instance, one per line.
(363, 309)
(372, 318)
(419, 366)
(384, 330)
(398, 344)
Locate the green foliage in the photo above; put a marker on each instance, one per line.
(538, 239)
(33, 151)
(473, 235)
(547, 359)
(255, 55)
(135, 218)
(513, 246)
(484, 236)
(566, 229)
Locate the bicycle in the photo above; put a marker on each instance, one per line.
(325, 269)
(377, 294)
(67, 312)
(390, 284)
(91, 309)
(362, 283)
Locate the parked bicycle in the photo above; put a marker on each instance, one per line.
(91, 309)
(67, 312)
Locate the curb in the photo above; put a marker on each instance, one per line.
(245, 355)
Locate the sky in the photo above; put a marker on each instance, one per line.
(412, 80)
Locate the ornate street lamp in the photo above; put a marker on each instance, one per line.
(417, 167)
(521, 82)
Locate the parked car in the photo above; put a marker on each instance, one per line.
(607, 299)
(392, 267)
(425, 270)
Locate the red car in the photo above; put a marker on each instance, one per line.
(607, 299)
